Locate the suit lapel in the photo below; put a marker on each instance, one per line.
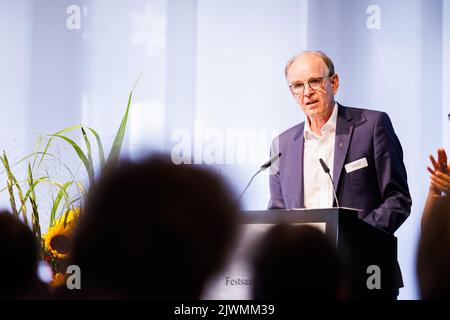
(295, 170)
(344, 130)
(300, 169)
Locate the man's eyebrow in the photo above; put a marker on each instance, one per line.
(311, 78)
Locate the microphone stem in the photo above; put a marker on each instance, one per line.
(249, 184)
(334, 189)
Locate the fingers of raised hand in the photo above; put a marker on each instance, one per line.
(442, 159)
(441, 181)
(434, 162)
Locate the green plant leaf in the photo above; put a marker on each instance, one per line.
(80, 154)
(30, 155)
(89, 152)
(44, 152)
(51, 139)
(75, 127)
(117, 145)
(23, 200)
(34, 207)
(62, 192)
(24, 181)
(9, 184)
(101, 152)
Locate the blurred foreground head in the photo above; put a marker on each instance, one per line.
(297, 262)
(152, 229)
(20, 256)
(433, 255)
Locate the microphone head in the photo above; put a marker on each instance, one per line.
(324, 165)
(270, 161)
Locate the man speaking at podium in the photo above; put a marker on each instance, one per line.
(359, 146)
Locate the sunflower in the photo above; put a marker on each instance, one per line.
(58, 280)
(57, 240)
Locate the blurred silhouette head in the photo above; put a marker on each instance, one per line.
(433, 256)
(296, 262)
(152, 229)
(20, 256)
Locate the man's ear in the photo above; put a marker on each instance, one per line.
(335, 83)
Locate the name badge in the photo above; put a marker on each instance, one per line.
(356, 165)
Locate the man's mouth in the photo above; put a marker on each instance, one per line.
(309, 103)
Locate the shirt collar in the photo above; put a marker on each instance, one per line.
(330, 125)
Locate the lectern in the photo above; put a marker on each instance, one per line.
(369, 251)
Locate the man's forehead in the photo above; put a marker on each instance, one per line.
(307, 65)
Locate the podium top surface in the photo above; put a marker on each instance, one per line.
(327, 215)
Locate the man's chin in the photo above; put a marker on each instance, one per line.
(315, 113)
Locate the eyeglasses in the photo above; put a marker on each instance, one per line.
(313, 83)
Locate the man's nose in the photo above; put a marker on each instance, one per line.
(307, 91)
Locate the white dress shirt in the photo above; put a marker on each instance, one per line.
(318, 189)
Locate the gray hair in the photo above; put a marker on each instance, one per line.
(328, 62)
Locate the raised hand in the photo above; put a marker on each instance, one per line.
(440, 173)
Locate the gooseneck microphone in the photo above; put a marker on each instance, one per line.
(262, 168)
(327, 171)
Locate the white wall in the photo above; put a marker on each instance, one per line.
(446, 74)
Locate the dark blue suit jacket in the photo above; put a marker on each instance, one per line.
(379, 190)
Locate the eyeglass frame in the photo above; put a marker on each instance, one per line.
(309, 85)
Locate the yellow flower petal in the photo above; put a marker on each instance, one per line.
(57, 240)
(58, 279)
